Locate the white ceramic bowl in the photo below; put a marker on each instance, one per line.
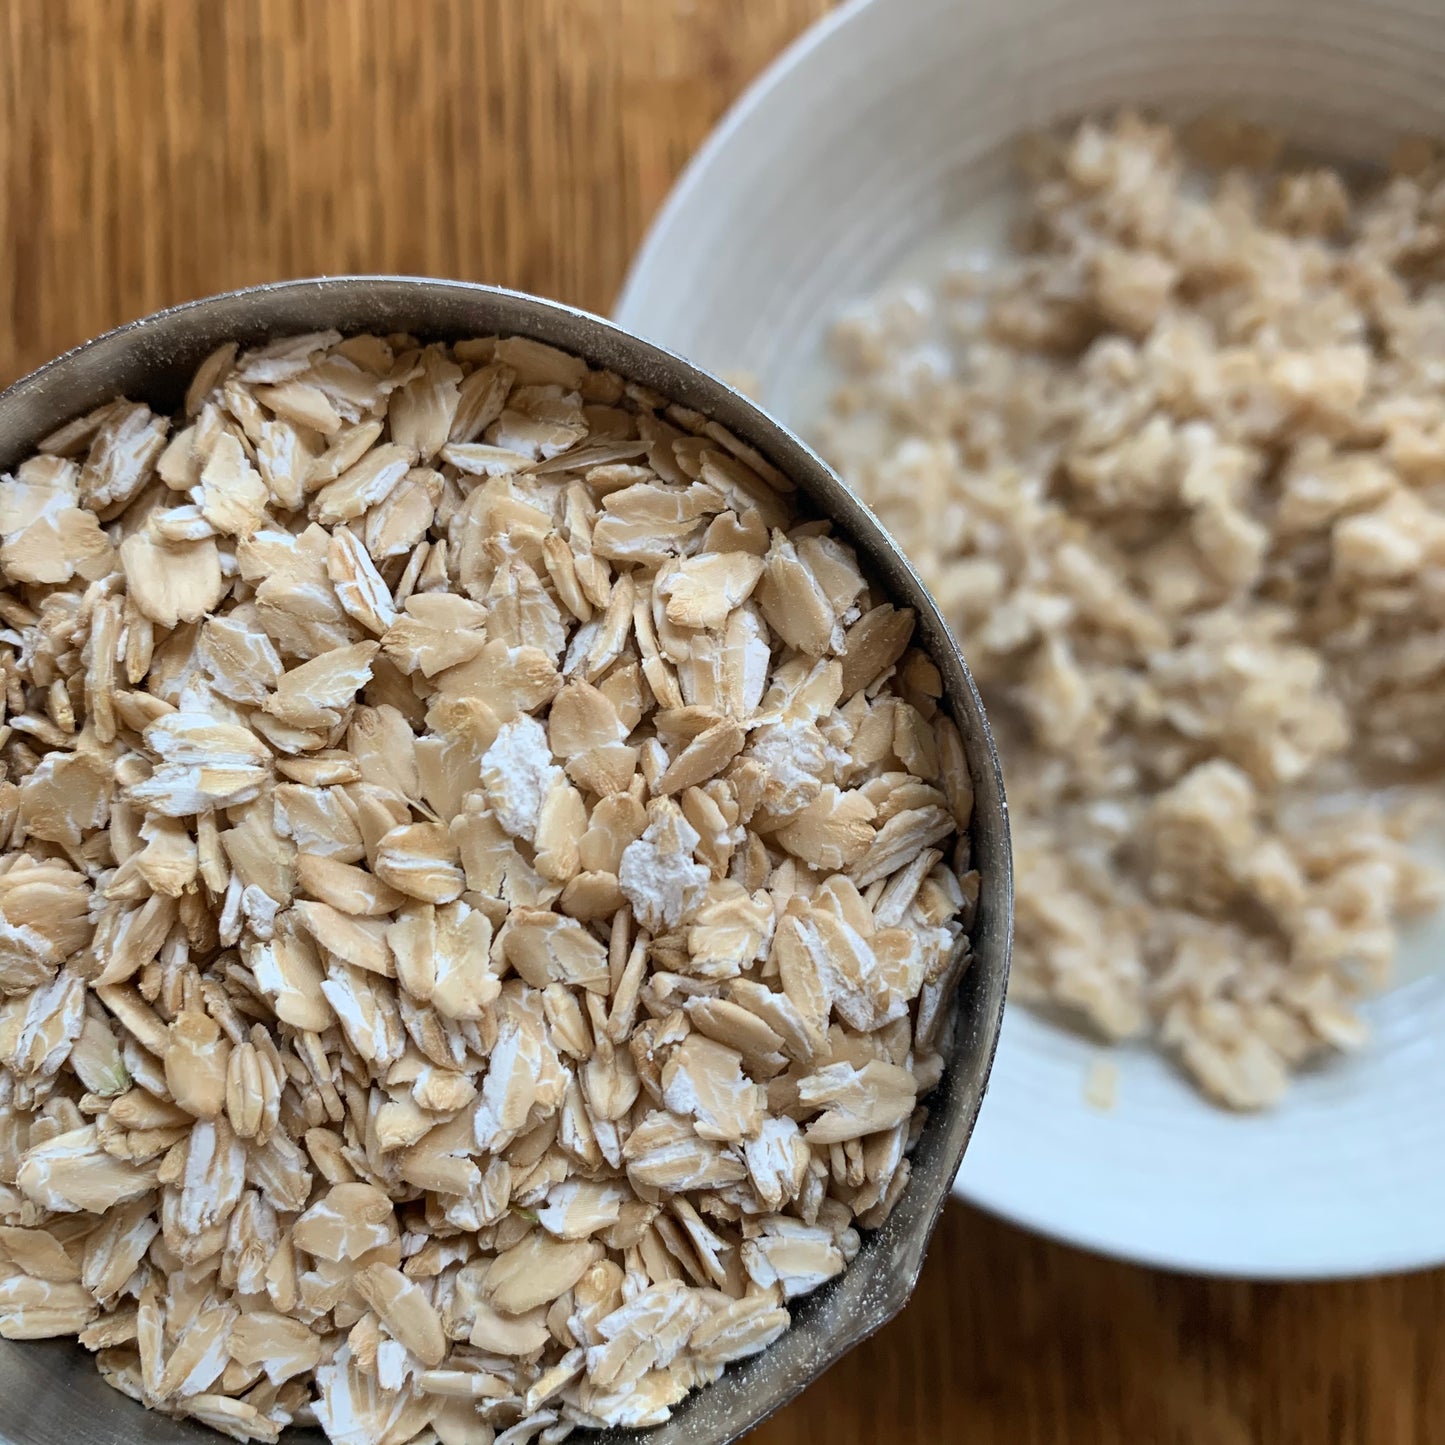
(889, 125)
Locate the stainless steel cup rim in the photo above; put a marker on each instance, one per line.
(49, 1393)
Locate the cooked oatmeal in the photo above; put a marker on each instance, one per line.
(483, 882)
(1175, 471)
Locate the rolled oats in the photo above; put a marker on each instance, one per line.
(433, 999)
(1171, 470)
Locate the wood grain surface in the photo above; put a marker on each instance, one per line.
(155, 150)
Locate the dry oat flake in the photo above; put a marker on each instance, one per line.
(483, 882)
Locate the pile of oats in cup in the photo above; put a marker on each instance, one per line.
(483, 875)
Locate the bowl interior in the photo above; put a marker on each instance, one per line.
(65, 1401)
(883, 136)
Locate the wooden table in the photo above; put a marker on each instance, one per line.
(155, 150)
